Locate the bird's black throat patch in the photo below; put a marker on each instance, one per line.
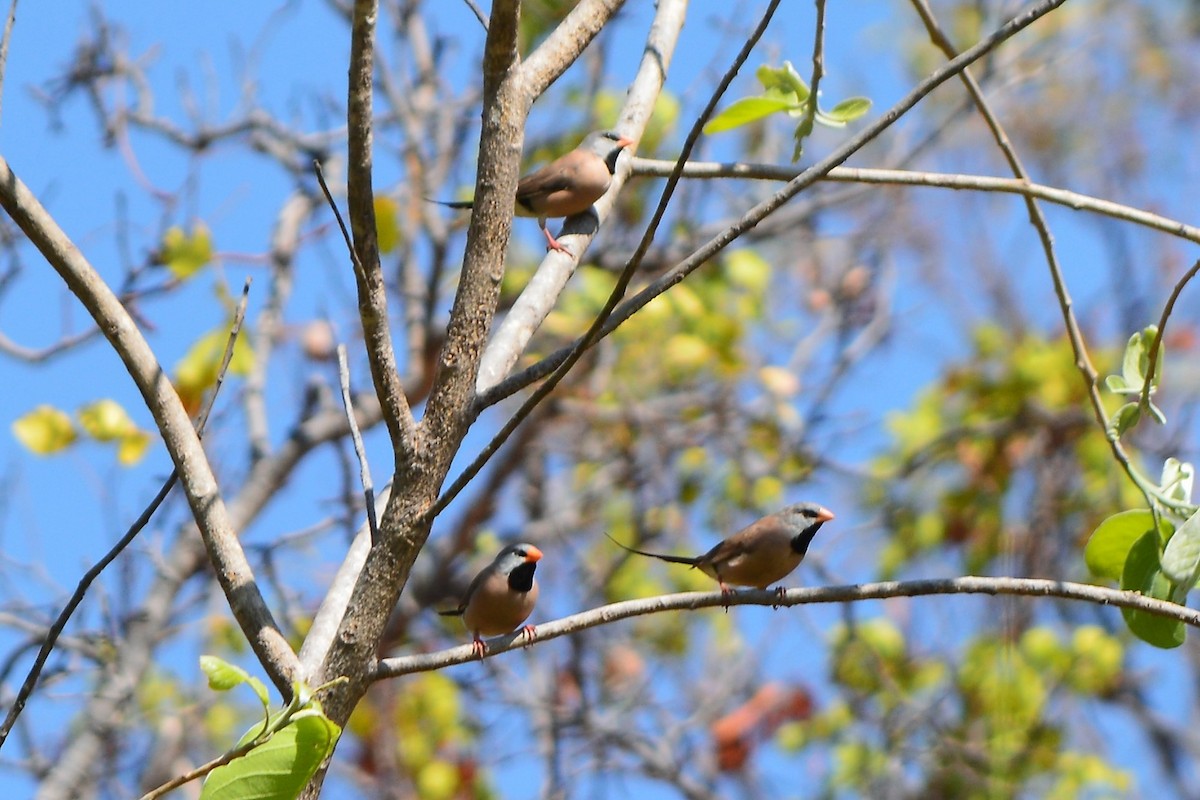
(803, 539)
(521, 578)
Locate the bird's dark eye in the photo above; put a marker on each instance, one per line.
(611, 135)
(521, 552)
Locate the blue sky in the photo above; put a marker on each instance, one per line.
(63, 512)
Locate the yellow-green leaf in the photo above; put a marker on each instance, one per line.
(132, 447)
(185, 255)
(198, 368)
(106, 421)
(44, 430)
(745, 111)
(387, 224)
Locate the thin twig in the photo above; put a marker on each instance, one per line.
(1037, 219)
(618, 292)
(478, 12)
(337, 215)
(64, 616)
(4, 41)
(711, 170)
(689, 601)
(805, 126)
(762, 210)
(364, 467)
(1162, 327)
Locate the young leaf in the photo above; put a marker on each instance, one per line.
(222, 676)
(784, 79)
(1124, 419)
(848, 110)
(744, 111)
(1142, 574)
(280, 767)
(1136, 362)
(45, 430)
(1108, 548)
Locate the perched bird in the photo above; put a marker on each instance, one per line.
(501, 596)
(569, 184)
(760, 554)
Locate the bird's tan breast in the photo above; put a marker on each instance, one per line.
(495, 608)
(757, 561)
(567, 187)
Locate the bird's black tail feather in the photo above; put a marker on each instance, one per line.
(460, 204)
(691, 562)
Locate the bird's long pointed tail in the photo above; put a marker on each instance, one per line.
(691, 562)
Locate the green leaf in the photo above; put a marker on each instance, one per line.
(1181, 558)
(1124, 419)
(848, 110)
(744, 111)
(1142, 574)
(45, 430)
(783, 79)
(185, 255)
(1108, 548)
(222, 676)
(1116, 384)
(280, 768)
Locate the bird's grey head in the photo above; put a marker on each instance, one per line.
(518, 562)
(803, 520)
(606, 144)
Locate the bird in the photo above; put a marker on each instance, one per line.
(501, 596)
(760, 554)
(569, 184)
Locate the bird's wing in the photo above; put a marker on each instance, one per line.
(476, 582)
(557, 176)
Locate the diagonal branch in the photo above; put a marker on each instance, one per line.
(89, 577)
(565, 43)
(220, 539)
(540, 295)
(360, 196)
(691, 601)
(767, 207)
(663, 37)
(1037, 219)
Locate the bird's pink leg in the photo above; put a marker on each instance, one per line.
(479, 647)
(779, 590)
(528, 631)
(726, 593)
(551, 242)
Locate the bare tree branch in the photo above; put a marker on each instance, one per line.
(691, 601)
(658, 168)
(220, 538)
(360, 195)
(90, 576)
(541, 294)
(565, 43)
(759, 212)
